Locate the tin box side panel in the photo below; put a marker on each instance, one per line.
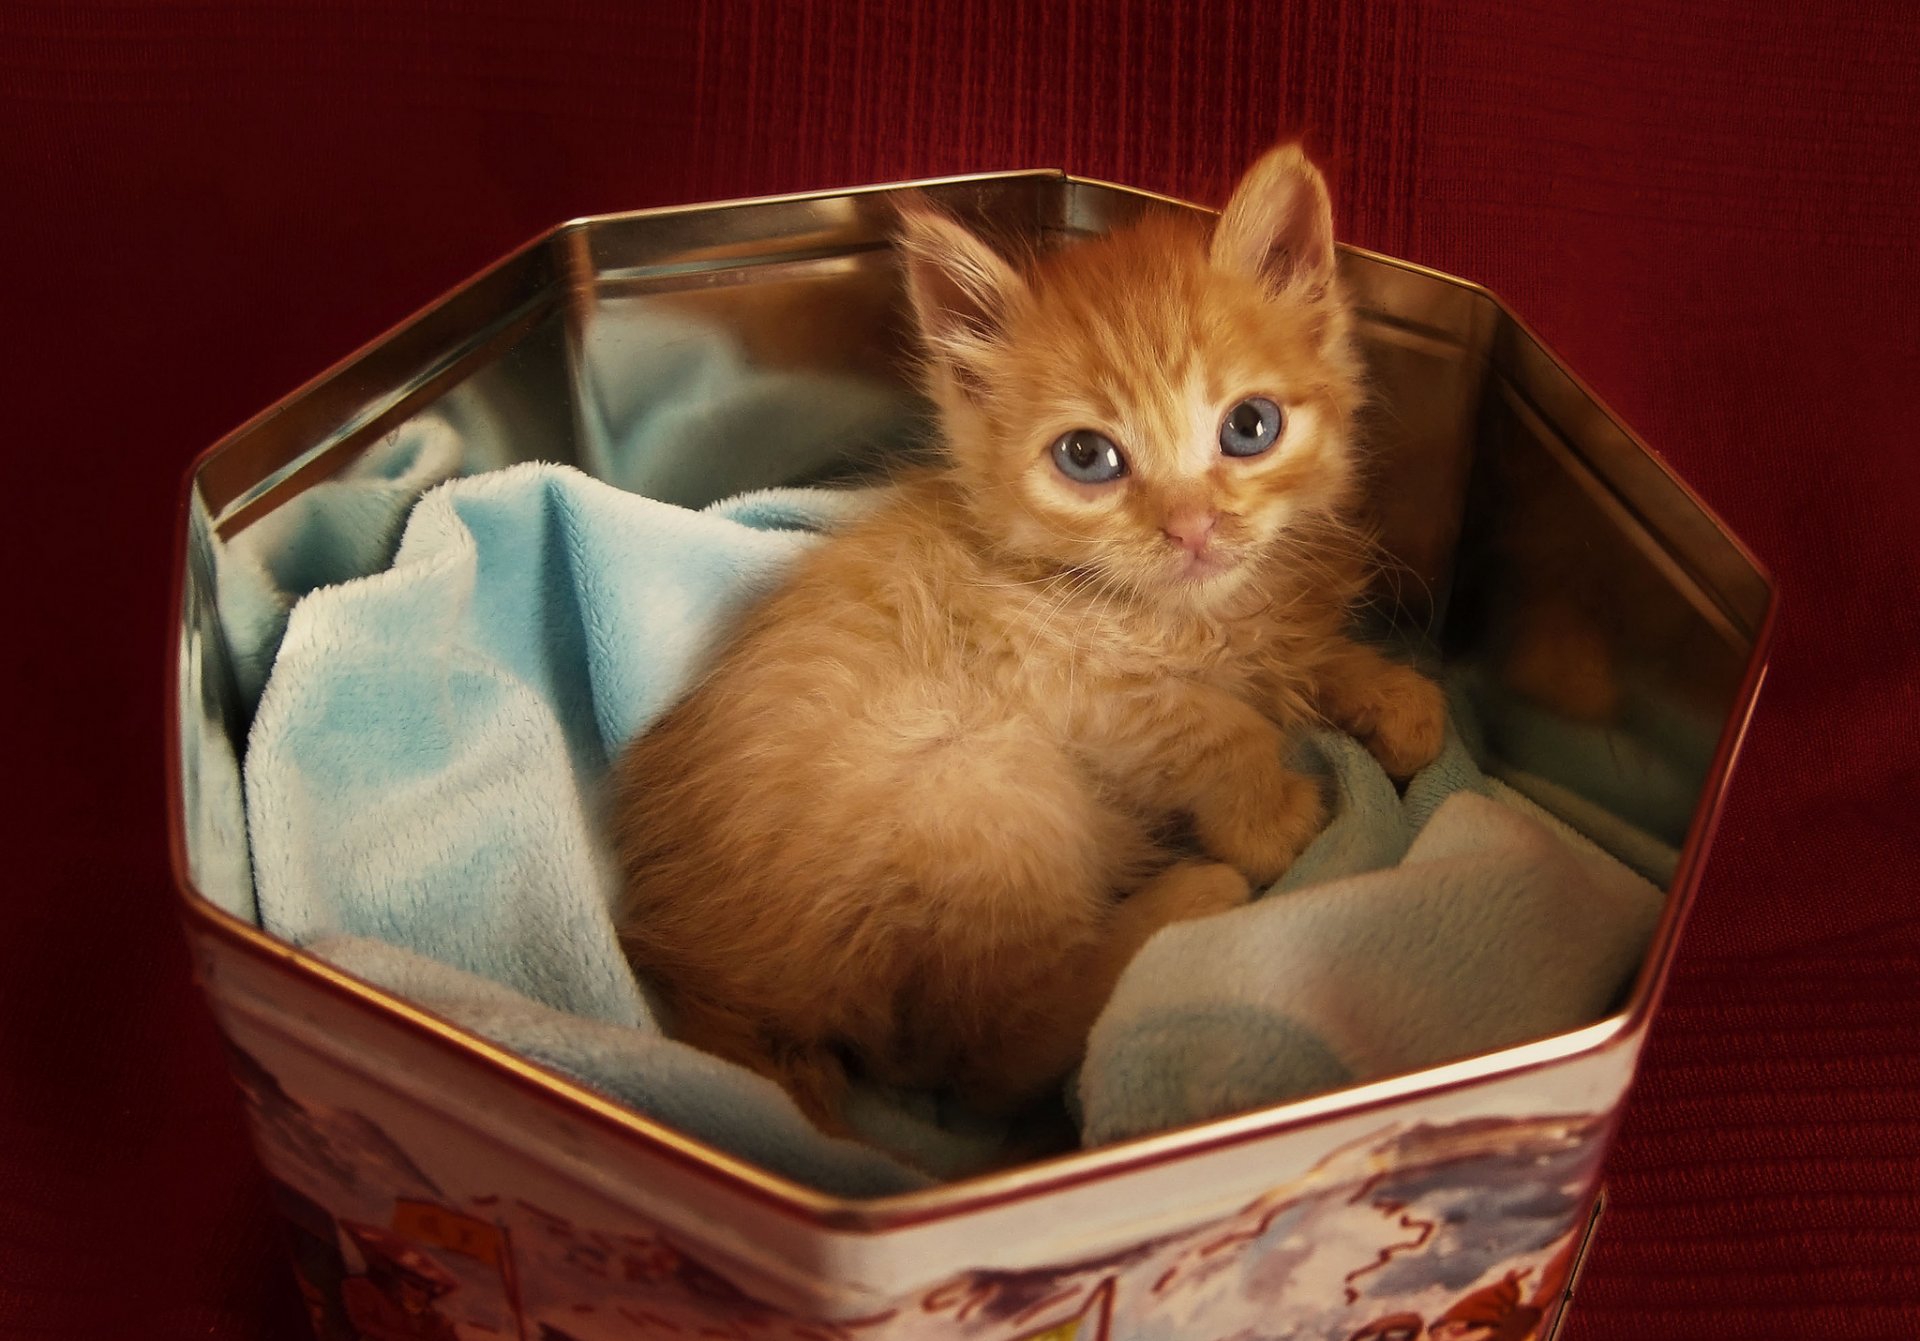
(762, 343)
(208, 715)
(1606, 625)
(1422, 1213)
(502, 320)
(1425, 339)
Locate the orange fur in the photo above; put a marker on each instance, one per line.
(931, 799)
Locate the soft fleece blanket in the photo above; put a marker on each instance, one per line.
(423, 791)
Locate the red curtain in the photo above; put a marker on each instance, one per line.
(1709, 208)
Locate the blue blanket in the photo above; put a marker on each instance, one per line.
(423, 788)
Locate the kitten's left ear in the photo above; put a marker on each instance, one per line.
(962, 290)
(1278, 226)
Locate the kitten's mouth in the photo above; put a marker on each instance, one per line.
(1207, 564)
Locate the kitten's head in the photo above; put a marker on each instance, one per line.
(1163, 406)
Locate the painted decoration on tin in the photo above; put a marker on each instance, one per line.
(1457, 1232)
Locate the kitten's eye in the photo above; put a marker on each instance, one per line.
(1251, 427)
(1088, 457)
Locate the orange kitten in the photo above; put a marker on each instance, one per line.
(930, 801)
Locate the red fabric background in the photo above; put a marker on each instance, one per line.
(1709, 210)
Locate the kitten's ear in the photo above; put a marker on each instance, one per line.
(962, 290)
(1278, 226)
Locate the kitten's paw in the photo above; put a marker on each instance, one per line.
(1260, 829)
(1403, 721)
(1394, 711)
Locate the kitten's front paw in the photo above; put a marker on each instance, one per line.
(1260, 829)
(1403, 721)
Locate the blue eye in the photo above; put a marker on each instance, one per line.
(1088, 457)
(1251, 427)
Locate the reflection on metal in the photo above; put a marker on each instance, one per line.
(1609, 631)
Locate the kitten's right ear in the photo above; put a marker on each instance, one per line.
(961, 289)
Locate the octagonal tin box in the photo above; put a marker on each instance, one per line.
(1607, 631)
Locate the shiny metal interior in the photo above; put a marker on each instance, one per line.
(1597, 617)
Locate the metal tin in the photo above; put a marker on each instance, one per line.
(433, 1181)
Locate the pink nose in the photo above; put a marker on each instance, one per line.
(1190, 530)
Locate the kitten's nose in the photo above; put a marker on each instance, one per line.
(1190, 530)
